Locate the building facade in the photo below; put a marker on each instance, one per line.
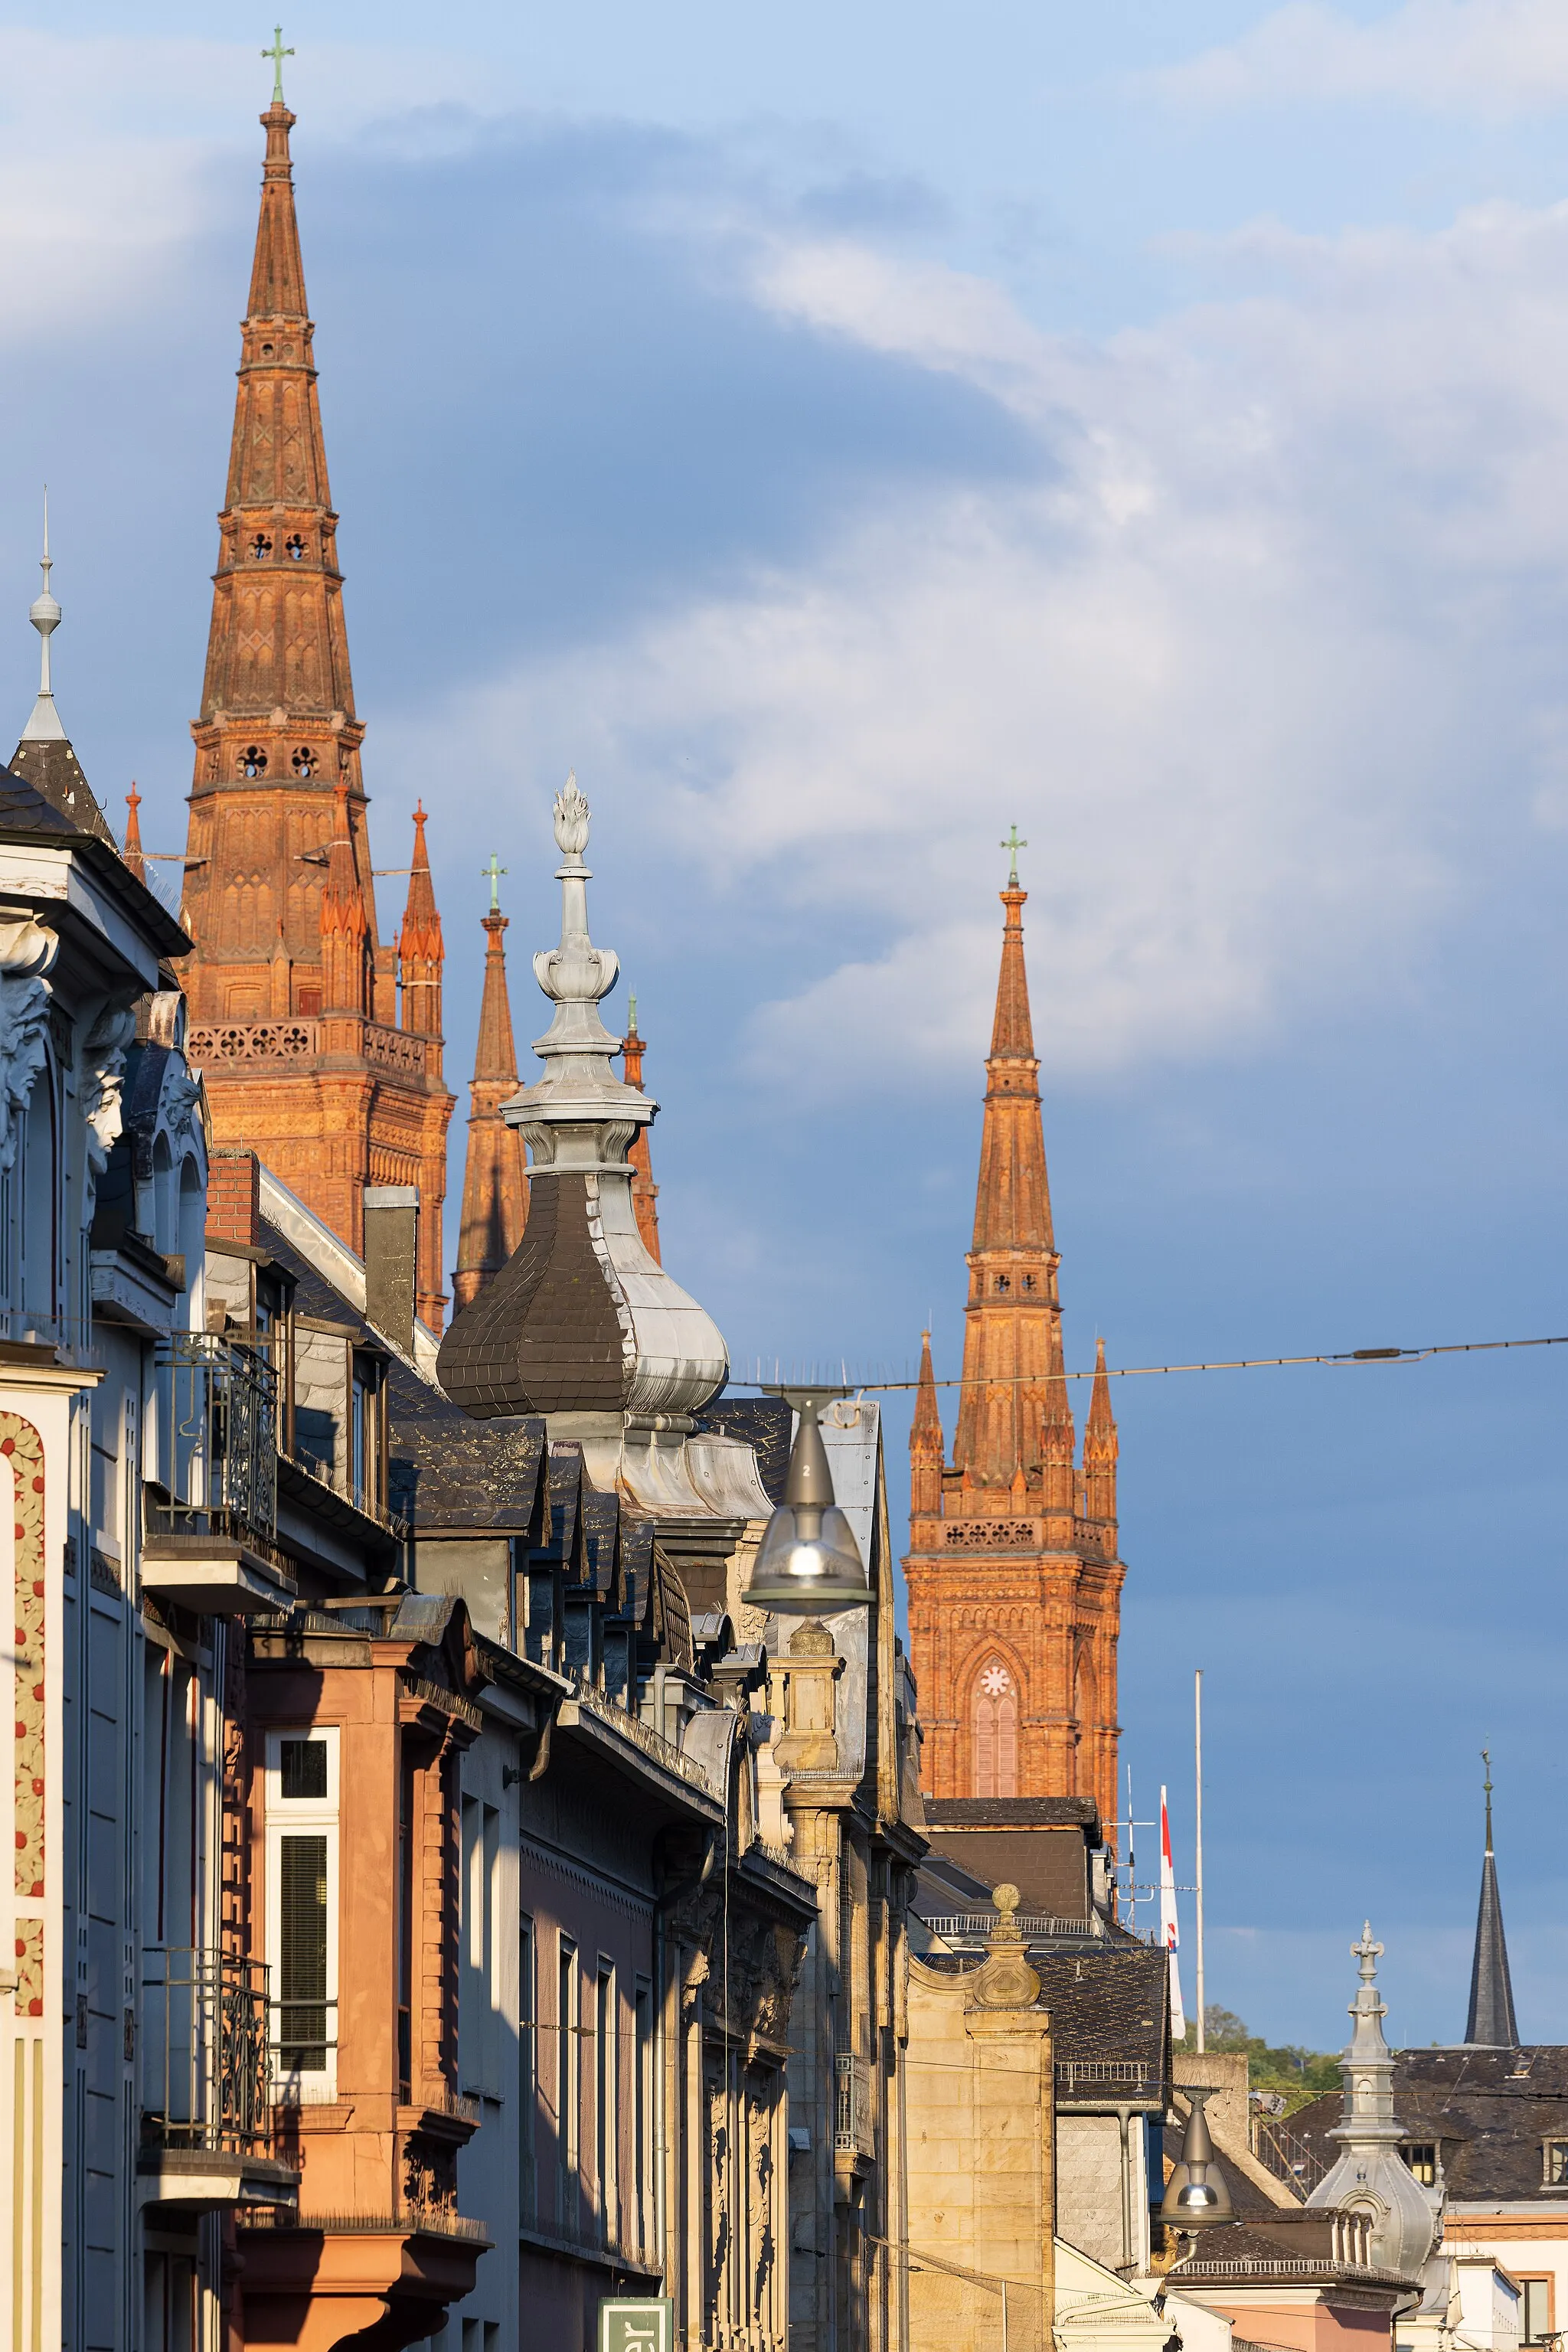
(1014, 1576)
(320, 1044)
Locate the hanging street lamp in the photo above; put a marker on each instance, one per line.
(808, 1563)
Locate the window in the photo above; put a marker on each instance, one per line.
(1554, 2163)
(302, 1908)
(294, 547)
(1028, 1281)
(642, 2116)
(995, 1721)
(1421, 2155)
(365, 1433)
(1003, 1282)
(253, 760)
(1534, 2310)
(567, 2092)
(605, 2105)
(527, 2069)
(260, 547)
(303, 762)
(408, 1849)
(478, 2020)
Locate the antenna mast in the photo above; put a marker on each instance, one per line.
(1198, 1777)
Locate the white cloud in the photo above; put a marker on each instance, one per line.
(1256, 660)
(107, 150)
(1495, 58)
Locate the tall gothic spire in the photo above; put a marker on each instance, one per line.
(495, 1180)
(1491, 2023)
(293, 993)
(645, 1192)
(45, 755)
(1011, 1345)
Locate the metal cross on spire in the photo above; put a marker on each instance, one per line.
(493, 873)
(1013, 845)
(278, 53)
(1487, 1760)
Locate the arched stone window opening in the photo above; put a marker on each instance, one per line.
(994, 1722)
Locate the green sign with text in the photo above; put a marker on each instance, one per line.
(644, 2323)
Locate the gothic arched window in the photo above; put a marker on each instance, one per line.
(995, 1724)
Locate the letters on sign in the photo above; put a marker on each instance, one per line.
(641, 2324)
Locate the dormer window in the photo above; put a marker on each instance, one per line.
(366, 1450)
(1554, 2163)
(1421, 2155)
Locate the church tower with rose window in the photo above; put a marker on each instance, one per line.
(1013, 1579)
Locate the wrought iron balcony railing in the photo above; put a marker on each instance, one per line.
(854, 2132)
(205, 2074)
(219, 1442)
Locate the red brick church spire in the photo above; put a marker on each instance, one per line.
(495, 1184)
(1012, 1573)
(293, 994)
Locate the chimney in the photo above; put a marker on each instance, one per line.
(234, 1198)
(391, 1259)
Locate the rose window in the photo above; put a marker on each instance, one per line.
(995, 1681)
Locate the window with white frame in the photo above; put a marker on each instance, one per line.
(478, 2019)
(1554, 2163)
(1534, 2310)
(606, 2105)
(642, 2116)
(568, 2095)
(527, 2068)
(302, 1910)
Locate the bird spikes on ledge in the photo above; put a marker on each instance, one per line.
(582, 1324)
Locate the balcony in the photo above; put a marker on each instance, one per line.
(210, 1535)
(853, 2131)
(206, 2116)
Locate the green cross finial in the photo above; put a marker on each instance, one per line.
(494, 870)
(1013, 845)
(278, 53)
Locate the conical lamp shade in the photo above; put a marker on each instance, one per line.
(808, 1561)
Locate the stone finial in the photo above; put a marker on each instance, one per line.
(1006, 1979)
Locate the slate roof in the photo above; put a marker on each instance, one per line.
(762, 1422)
(1014, 1812)
(25, 812)
(1487, 2110)
(1107, 2004)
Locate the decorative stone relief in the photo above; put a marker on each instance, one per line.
(27, 953)
(104, 1057)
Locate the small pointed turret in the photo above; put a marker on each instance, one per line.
(495, 1177)
(132, 853)
(1491, 2023)
(1100, 1449)
(926, 1442)
(420, 952)
(645, 1192)
(45, 755)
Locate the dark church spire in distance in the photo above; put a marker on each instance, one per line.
(1491, 2023)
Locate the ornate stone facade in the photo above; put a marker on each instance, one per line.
(308, 1056)
(1013, 1578)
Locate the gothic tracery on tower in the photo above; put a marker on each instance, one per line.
(1013, 1578)
(321, 1045)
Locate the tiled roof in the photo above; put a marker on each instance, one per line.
(1488, 2110)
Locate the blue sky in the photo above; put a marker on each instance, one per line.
(842, 434)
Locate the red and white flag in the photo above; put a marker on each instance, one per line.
(1169, 1933)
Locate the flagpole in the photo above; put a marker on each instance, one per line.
(1198, 1874)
